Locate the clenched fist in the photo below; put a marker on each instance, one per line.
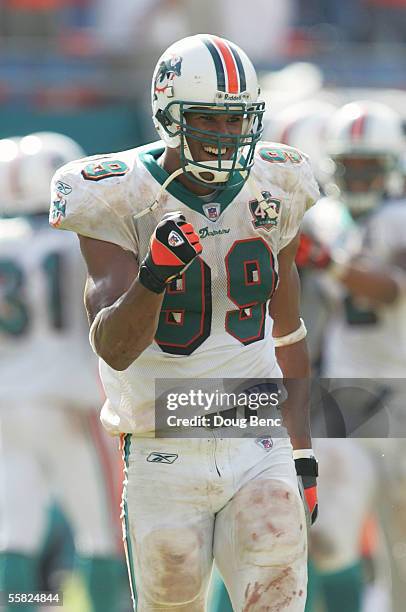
(172, 248)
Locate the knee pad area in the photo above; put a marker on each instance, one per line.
(269, 524)
(174, 567)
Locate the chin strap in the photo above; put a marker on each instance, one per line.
(154, 204)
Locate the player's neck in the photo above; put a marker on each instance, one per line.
(170, 162)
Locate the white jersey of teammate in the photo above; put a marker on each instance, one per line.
(209, 326)
(363, 340)
(43, 355)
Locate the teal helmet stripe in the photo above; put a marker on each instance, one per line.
(240, 67)
(221, 77)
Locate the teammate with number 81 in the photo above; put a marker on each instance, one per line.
(190, 245)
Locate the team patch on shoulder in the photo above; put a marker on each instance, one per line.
(99, 170)
(265, 214)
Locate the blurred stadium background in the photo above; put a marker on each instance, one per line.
(83, 68)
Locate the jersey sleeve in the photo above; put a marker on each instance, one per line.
(91, 208)
(305, 193)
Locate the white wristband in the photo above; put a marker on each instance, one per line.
(303, 453)
(93, 327)
(295, 336)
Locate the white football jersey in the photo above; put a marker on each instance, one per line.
(214, 320)
(329, 222)
(44, 355)
(363, 340)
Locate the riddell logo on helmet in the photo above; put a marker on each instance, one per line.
(233, 97)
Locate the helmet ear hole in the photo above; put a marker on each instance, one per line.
(162, 118)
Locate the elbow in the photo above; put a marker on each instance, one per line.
(116, 363)
(119, 361)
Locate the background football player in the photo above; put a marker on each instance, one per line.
(52, 446)
(356, 238)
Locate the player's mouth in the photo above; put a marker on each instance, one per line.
(215, 152)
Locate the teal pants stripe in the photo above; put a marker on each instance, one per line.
(127, 540)
(218, 599)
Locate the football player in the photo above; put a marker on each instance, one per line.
(190, 245)
(335, 575)
(52, 446)
(303, 125)
(359, 241)
(366, 335)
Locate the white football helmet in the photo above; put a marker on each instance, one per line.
(9, 190)
(206, 72)
(302, 125)
(365, 141)
(41, 154)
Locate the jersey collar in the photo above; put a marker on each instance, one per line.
(148, 157)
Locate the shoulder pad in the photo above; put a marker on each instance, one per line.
(90, 196)
(288, 169)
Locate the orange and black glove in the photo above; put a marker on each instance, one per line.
(172, 248)
(307, 471)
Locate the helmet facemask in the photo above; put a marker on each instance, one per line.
(364, 139)
(362, 179)
(228, 172)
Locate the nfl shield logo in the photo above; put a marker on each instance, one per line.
(265, 443)
(174, 239)
(212, 211)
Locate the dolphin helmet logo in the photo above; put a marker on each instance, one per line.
(167, 71)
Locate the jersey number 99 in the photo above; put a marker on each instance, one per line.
(186, 314)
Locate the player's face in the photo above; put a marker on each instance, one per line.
(360, 175)
(226, 124)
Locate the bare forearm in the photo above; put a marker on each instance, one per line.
(295, 365)
(362, 281)
(127, 327)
